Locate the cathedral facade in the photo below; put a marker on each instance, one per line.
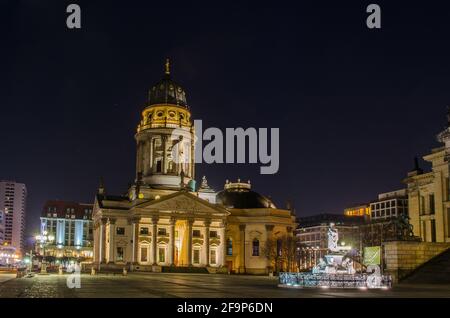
(165, 222)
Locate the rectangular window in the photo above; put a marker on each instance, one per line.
(213, 257)
(431, 204)
(255, 248)
(196, 257)
(119, 256)
(448, 222)
(162, 231)
(424, 231)
(144, 231)
(162, 254)
(422, 205)
(120, 231)
(447, 183)
(230, 246)
(213, 234)
(433, 230)
(196, 233)
(144, 256)
(158, 166)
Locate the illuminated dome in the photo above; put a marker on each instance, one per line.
(238, 195)
(166, 91)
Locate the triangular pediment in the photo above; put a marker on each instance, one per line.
(182, 202)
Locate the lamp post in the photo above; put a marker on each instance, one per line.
(43, 240)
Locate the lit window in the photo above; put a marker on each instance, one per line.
(119, 256)
(213, 257)
(196, 257)
(144, 254)
(229, 247)
(162, 254)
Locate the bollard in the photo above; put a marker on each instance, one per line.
(125, 271)
(92, 270)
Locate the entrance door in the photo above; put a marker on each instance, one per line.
(230, 266)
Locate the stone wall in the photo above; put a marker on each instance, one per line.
(403, 257)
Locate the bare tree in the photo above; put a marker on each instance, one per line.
(270, 252)
(281, 252)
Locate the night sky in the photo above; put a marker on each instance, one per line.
(354, 105)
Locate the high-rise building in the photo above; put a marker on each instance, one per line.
(2, 228)
(13, 198)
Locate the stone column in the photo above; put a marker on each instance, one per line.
(150, 157)
(154, 239)
(103, 240)
(134, 222)
(172, 241)
(242, 248)
(223, 245)
(112, 227)
(145, 157)
(206, 223)
(138, 158)
(96, 241)
(289, 230)
(164, 159)
(192, 163)
(190, 222)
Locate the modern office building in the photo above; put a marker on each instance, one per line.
(70, 226)
(13, 196)
(389, 204)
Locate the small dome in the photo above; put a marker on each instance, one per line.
(239, 196)
(166, 91)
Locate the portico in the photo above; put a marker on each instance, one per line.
(177, 230)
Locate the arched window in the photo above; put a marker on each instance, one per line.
(229, 247)
(255, 249)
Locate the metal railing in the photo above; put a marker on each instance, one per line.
(287, 279)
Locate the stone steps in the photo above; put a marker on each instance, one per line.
(195, 270)
(435, 271)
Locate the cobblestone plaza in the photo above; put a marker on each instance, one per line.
(156, 285)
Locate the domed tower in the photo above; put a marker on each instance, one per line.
(165, 137)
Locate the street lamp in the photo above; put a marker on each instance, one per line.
(44, 239)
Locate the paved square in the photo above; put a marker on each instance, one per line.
(153, 285)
